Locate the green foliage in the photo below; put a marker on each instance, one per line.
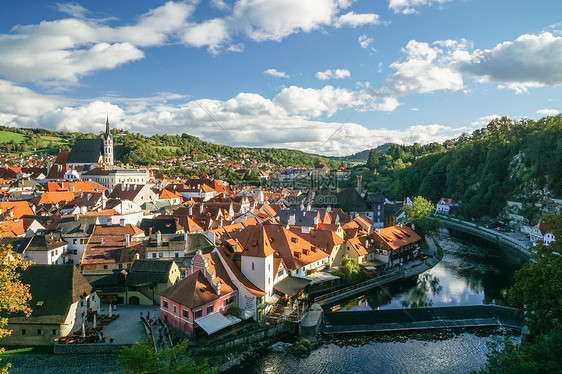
(419, 214)
(141, 358)
(542, 356)
(537, 293)
(235, 311)
(538, 286)
(348, 270)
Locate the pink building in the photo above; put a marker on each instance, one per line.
(201, 299)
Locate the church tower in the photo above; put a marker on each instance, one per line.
(107, 145)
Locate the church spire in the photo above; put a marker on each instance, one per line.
(107, 133)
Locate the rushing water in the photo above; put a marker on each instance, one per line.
(471, 273)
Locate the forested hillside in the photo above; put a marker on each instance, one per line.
(506, 160)
(145, 150)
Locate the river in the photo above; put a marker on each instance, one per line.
(472, 272)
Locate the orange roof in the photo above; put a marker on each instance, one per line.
(357, 244)
(12, 228)
(17, 209)
(192, 226)
(54, 198)
(397, 236)
(207, 189)
(167, 194)
(255, 242)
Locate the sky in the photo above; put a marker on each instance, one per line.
(330, 77)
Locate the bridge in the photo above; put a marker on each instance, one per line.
(436, 318)
(490, 235)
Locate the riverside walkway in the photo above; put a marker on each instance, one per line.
(494, 236)
(435, 318)
(408, 271)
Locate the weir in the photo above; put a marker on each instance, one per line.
(436, 318)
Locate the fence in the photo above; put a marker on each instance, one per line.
(485, 233)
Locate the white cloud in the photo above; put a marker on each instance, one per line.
(21, 101)
(275, 73)
(72, 9)
(548, 112)
(333, 74)
(528, 61)
(352, 19)
(72, 48)
(212, 34)
(365, 41)
(425, 69)
(409, 6)
(484, 121)
(264, 20)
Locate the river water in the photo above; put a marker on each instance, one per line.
(472, 272)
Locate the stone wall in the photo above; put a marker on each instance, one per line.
(88, 348)
(260, 335)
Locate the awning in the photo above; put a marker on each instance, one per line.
(214, 322)
(273, 299)
(291, 286)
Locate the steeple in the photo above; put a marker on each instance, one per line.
(107, 133)
(107, 145)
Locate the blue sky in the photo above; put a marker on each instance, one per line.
(332, 77)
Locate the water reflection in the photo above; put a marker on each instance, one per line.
(471, 273)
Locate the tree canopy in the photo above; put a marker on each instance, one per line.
(140, 358)
(537, 294)
(14, 295)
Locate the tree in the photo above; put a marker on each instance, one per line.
(537, 294)
(419, 214)
(348, 269)
(141, 358)
(14, 295)
(537, 290)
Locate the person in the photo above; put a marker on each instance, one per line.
(111, 340)
(103, 339)
(148, 315)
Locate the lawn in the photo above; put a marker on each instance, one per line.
(7, 136)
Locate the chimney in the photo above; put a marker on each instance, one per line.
(122, 222)
(200, 208)
(127, 240)
(190, 210)
(158, 238)
(359, 180)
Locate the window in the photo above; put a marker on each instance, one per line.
(120, 266)
(253, 267)
(39, 332)
(160, 254)
(164, 304)
(81, 302)
(82, 241)
(177, 254)
(54, 332)
(198, 313)
(105, 266)
(23, 331)
(185, 313)
(210, 309)
(175, 310)
(75, 241)
(154, 255)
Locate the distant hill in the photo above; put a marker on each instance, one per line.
(147, 150)
(363, 156)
